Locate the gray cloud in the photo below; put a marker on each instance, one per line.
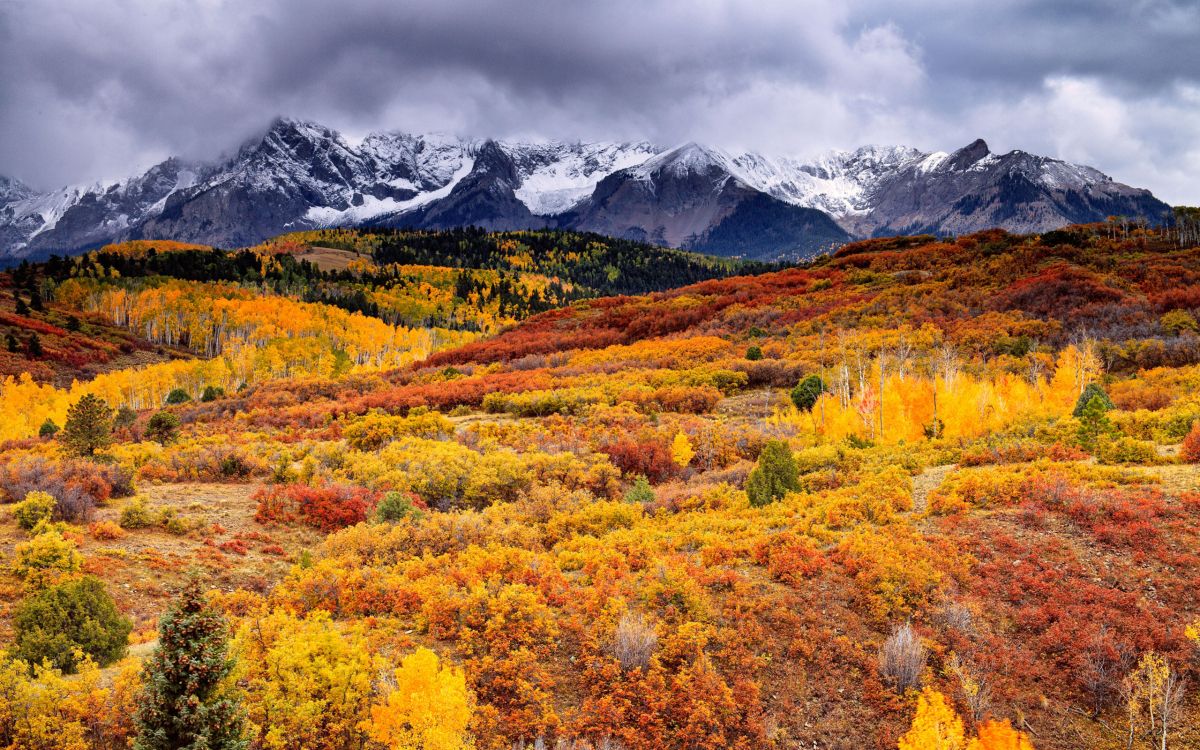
(91, 90)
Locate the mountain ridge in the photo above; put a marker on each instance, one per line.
(299, 174)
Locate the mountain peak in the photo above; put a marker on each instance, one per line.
(690, 157)
(968, 155)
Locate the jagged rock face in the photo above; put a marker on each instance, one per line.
(301, 175)
(486, 198)
(973, 188)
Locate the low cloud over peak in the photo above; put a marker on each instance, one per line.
(100, 90)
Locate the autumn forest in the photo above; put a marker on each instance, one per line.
(356, 489)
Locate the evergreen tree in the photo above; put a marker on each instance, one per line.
(163, 427)
(125, 418)
(89, 426)
(34, 346)
(185, 702)
(640, 492)
(1094, 425)
(76, 615)
(775, 475)
(754, 353)
(178, 396)
(48, 429)
(1093, 390)
(22, 308)
(35, 299)
(806, 392)
(14, 346)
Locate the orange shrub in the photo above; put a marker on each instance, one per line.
(105, 530)
(1190, 450)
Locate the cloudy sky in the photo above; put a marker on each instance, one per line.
(91, 90)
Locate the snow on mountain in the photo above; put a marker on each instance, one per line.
(300, 174)
(556, 176)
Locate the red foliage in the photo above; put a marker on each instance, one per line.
(1057, 291)
(650, 459)
(1020, 452)
(236, 546)
(327, 508)
(789, 558)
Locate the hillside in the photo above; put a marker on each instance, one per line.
(465, 281)
(790, 509)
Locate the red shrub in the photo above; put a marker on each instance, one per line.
(789, 558)
(236, 546)
(326, 508)
(649, 459)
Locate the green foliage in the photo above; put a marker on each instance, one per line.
(136, 515)
(1092, 390)
(640, 492)
(1126, 450)
(55, 622)
(163, 427)
(186, 703)
(125, 418)
(807, 391)
(393, 507)
(35, 508)
(88, 427)
(212, 393)
(775, 475)
(178, 396)
(48, 429)
(1094, 424)
(754, 353)
(34, 346)
(10, 341)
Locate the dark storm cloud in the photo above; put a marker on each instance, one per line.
(92, 90)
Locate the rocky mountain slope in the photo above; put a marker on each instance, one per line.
(300, 175)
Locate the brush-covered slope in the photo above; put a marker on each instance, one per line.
(627, 530)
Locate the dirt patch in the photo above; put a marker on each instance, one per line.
(925, 482)
(145, 567)
(329, 258)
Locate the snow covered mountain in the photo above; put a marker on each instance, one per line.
(301, 175)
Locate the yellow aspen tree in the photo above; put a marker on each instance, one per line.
(936, 725)
(681, 450)
(429, 709)
(999, 735)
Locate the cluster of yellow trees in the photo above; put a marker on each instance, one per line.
(888, 400)
(245, 337)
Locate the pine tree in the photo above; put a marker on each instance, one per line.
(89, 426)
(775, 475)
(14, 346)
(34, 346)
(185, 704)
(806, 392)
(22, 308)
(1092, 390)
(35, 299)
(1094, 425)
